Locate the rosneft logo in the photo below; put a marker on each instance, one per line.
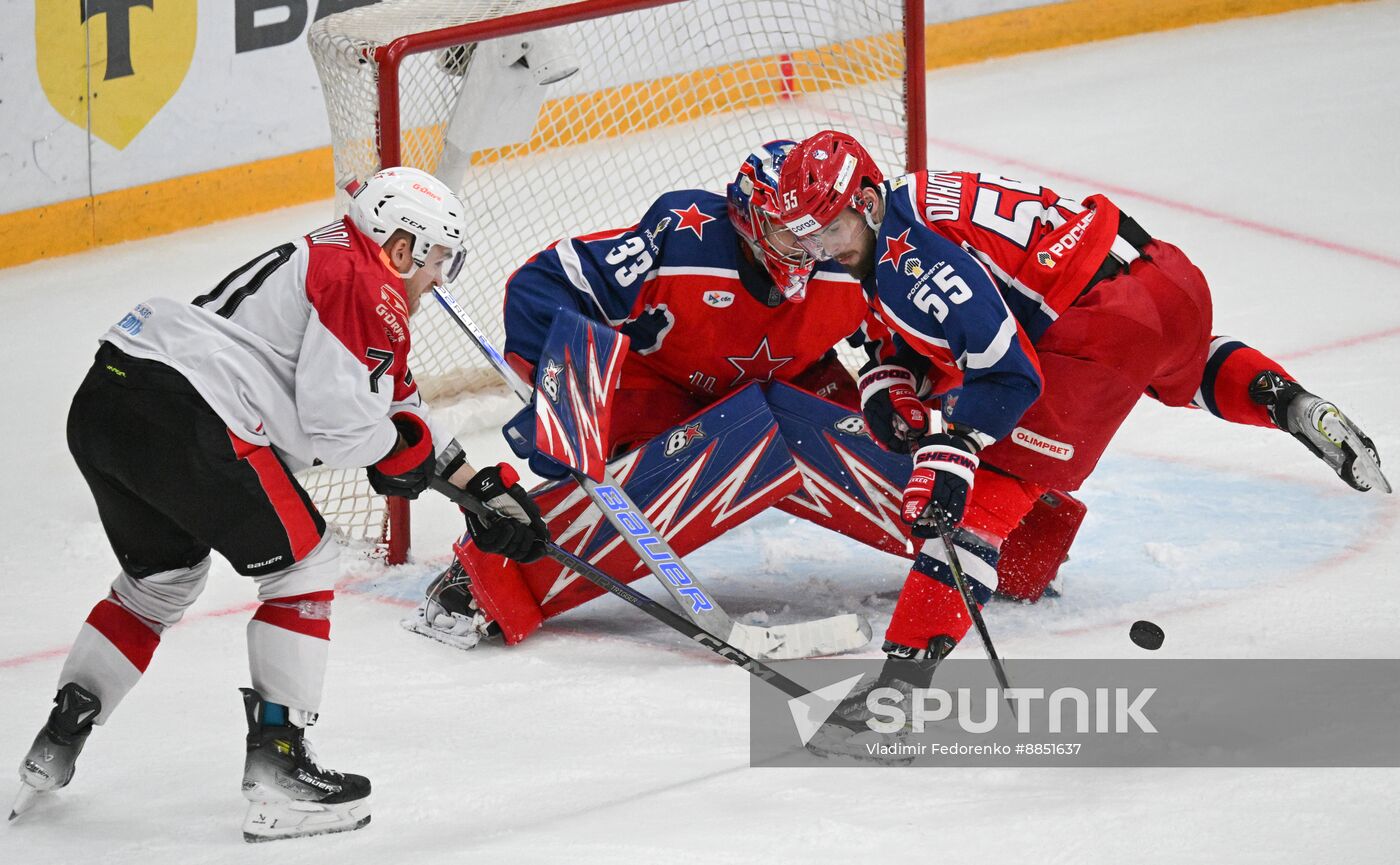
(111, 65)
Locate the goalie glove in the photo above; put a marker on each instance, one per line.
(407, 470)
(945, 466)
(889, 399)
(516, 531)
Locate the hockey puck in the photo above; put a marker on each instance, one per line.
(1147, 635)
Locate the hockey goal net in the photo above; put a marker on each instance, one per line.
(666, 95)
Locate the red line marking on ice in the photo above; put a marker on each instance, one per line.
(1342, 343)
(33, 657)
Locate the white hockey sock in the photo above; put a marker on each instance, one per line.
(116, 643)
(288, 642)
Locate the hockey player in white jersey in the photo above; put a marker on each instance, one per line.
(188, 429)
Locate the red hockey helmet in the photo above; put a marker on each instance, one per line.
(821, 177)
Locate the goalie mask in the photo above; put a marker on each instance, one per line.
(753, 209)
(417, 202)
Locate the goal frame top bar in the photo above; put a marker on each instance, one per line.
(388, 57)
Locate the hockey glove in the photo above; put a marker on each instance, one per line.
(406, 471)
(894, 414)
(518, 532)
(944, 467)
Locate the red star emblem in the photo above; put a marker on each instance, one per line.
(693, 219)
(758, 366)
(895, 248)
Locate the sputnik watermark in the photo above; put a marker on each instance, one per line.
(1113, 710)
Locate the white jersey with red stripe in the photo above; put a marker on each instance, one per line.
(304, 348)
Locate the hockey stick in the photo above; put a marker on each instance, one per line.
(828, 636)
(973, 611)
(808, 708)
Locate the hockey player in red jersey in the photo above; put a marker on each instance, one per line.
(710, 305)
(1041, 320)
(188, 429)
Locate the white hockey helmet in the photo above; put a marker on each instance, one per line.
(417, 202)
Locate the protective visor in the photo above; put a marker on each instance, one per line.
(823, 242)
(449, 260)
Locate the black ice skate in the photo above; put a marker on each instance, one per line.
(290, 795)
(847, 732)
(53, 757)
(449, 613)
(1322, 428)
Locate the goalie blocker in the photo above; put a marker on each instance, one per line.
(719, 468)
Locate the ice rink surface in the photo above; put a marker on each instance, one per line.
(1266, 148)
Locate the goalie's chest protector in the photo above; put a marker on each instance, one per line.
(721, 338)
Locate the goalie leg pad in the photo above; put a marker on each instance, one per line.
(695, 481)
(850, 484)
(1033, 552)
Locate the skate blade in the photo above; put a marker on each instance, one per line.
(275, 821)
(24, 800)
(464, 642)
(831, 636)
(1365, 468)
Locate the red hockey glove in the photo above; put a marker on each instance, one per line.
(406, 471)
(518, 532)
(894, 414)
(944, 467)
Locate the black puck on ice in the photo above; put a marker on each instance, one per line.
(1147, 635)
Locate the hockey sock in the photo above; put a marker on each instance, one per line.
(930, 605)
(112, 650)
(288, 641)
(1230, 367)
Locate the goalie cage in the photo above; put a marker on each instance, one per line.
(666, 95)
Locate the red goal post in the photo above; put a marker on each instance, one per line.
(668, 94)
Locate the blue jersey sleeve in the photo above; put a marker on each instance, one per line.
(601, 276)
(943, 303)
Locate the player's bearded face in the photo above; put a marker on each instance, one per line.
(848, 239)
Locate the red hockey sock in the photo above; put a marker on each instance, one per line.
(1230, 367)
(926, 609)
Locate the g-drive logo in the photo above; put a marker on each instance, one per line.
(1063, 710)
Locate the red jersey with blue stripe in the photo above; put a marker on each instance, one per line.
(970, 271)
(699, 311)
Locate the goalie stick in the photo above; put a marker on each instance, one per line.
(828, 636)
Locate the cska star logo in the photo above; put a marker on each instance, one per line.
(691, 218)
(681, 438)
(551, 379)
(759, 366)
(896, 248)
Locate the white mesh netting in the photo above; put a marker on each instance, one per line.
(664, 98)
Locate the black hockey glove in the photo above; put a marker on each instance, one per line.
(406, 471)
(889, 399)
(944, 468)
(519, 532)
